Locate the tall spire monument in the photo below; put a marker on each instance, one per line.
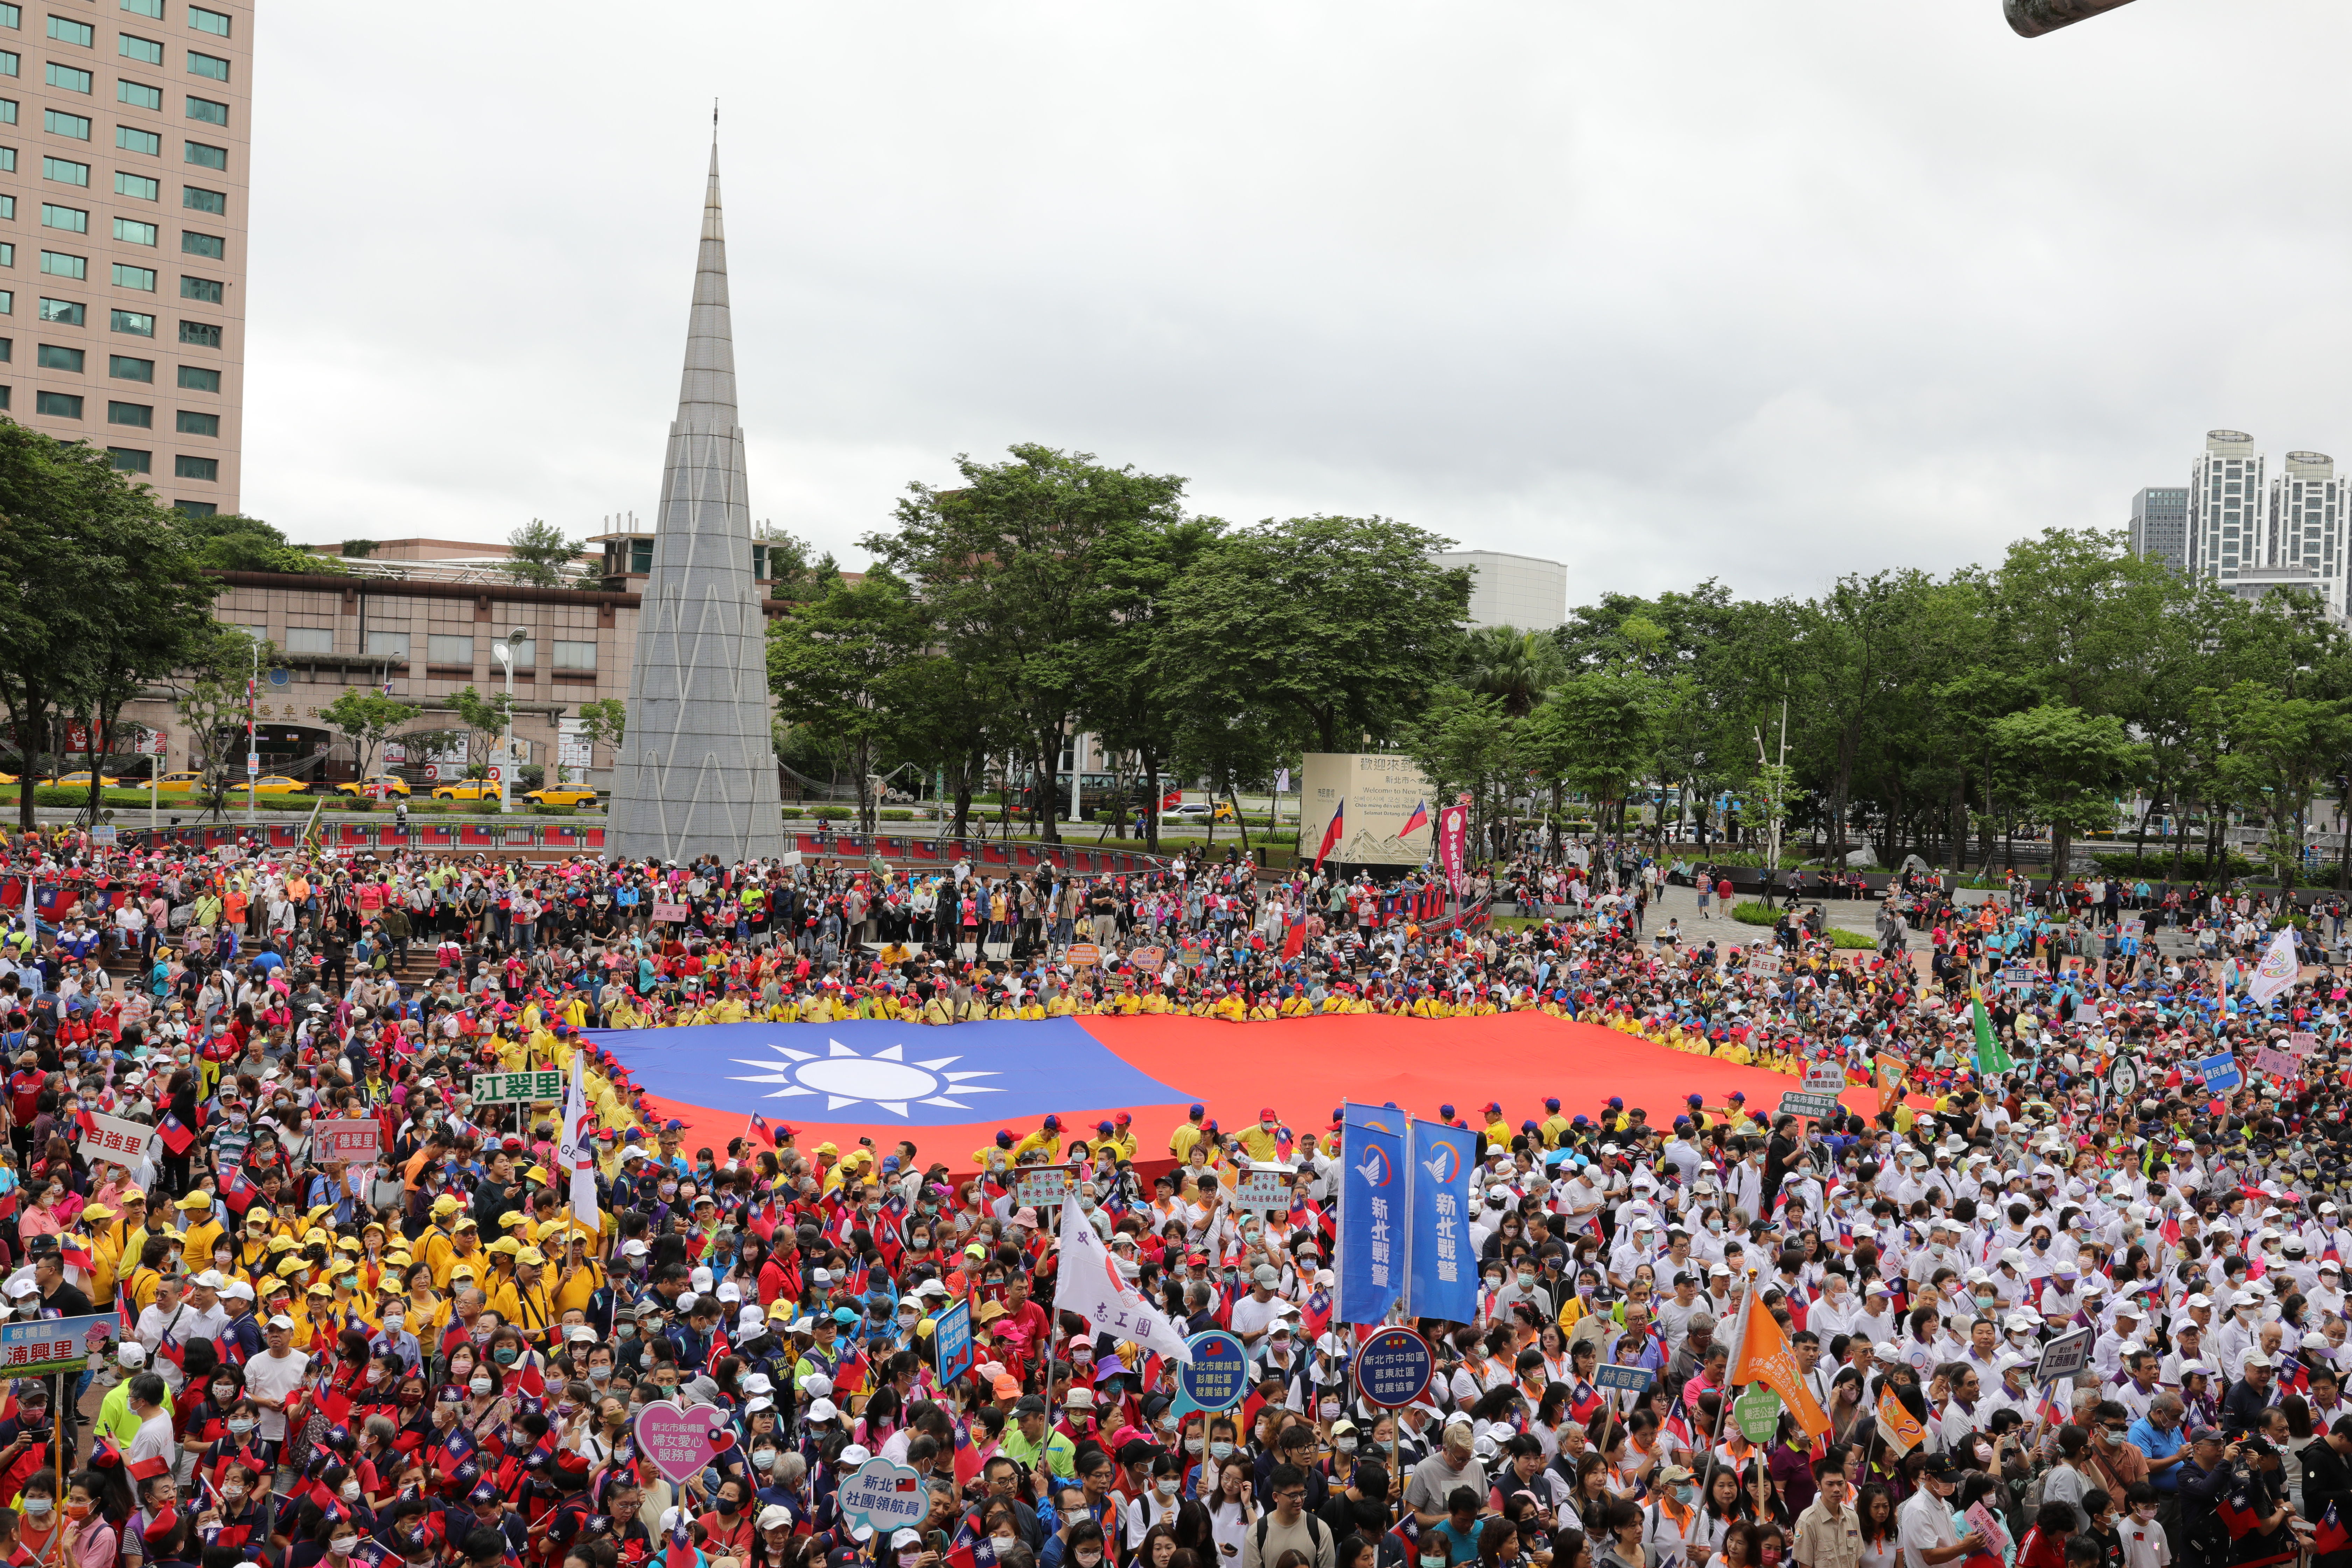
(697, 773)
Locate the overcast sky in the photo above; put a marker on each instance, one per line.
(1764, 292)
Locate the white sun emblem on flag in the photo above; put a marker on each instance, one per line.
(885, 1078)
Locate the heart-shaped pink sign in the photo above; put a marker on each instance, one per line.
(680, 1442)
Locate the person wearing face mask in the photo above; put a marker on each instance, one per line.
(1157, 1505)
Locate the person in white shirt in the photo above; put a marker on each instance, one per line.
(1923, 1523)
(153, 1441)
(272, 1377)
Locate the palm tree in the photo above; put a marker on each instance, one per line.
(1514, 666)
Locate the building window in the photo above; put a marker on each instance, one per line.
(204, 201)
(65, 312)
(7, 254)
(195, 244)
(449, 650)
(62, 265)
(7, 204)
(207, 157)
(212, 22)
(146, 51)
(205, 110)
(65, 172)
(57, 356)
(195, 424)
(204, 334)
(68, 78)
(8, 350)
(388, 644)
(206, 468)
(130, 231)
(57, 122)
(139, 413)
(66, 30)
(130, 139)
(310, 640)
(73, 220)
(128, 367)
(137, 323)
(196, 378)
(526, 654)
(138, 94)
(144, 8)
(195, 508)
(132, 462)
(207, 290)
(7, 302)
(57, 404)
(129, 276)
(9, 63)
(11, 16)
(574, 654)
(211, 65)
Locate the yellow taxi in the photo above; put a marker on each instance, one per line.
(272, 784)
(562, 795)
(81, 779)
(184, 780)
(380, 786)
(468, 789)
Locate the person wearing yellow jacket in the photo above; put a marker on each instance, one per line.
(439, 1243)
(523, 1299)
(1046, 1141)
(204, 1230)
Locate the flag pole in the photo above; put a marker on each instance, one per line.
(1404, 1284)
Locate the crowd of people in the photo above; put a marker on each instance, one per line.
(438, 1355)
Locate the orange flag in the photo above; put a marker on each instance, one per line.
(1763, 1354)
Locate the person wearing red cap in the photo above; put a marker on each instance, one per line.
(1264, 1142)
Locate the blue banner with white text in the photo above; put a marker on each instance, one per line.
(1371, 1213)
(1442, 1264)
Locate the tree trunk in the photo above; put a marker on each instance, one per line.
(1241, 822)
(31, 721)
(1048, 776)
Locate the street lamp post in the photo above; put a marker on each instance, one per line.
(508, 651)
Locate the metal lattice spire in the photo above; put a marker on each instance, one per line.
(697, 773)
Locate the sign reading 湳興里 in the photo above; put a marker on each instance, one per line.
(49, 1345)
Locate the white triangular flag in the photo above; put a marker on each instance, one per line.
(2279, 969)
(1090, 1285)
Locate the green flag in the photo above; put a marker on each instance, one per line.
(1990, 1058)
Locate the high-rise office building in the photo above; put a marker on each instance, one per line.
(2306, 522)
(123, 229)
(2160, 525)
(2227, 528)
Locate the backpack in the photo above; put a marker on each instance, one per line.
(1313, 1533)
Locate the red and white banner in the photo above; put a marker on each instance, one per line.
(1454, 847)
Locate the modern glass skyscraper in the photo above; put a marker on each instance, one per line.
(125, 128)
(2160, 525)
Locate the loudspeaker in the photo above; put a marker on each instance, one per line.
(2031, 18)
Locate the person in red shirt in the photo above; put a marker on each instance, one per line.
(2044, 1545)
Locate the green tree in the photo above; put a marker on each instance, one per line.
(231, 541)
(1341, 625)
(1469, 743)
(542, 554)
(1012, 562)
(604, 720)
(211, 694)
(1608, 726)
(1129, 703)
(831, 664)
(2066, 767)
(103, 596)
(485, 719)
(367, 717)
